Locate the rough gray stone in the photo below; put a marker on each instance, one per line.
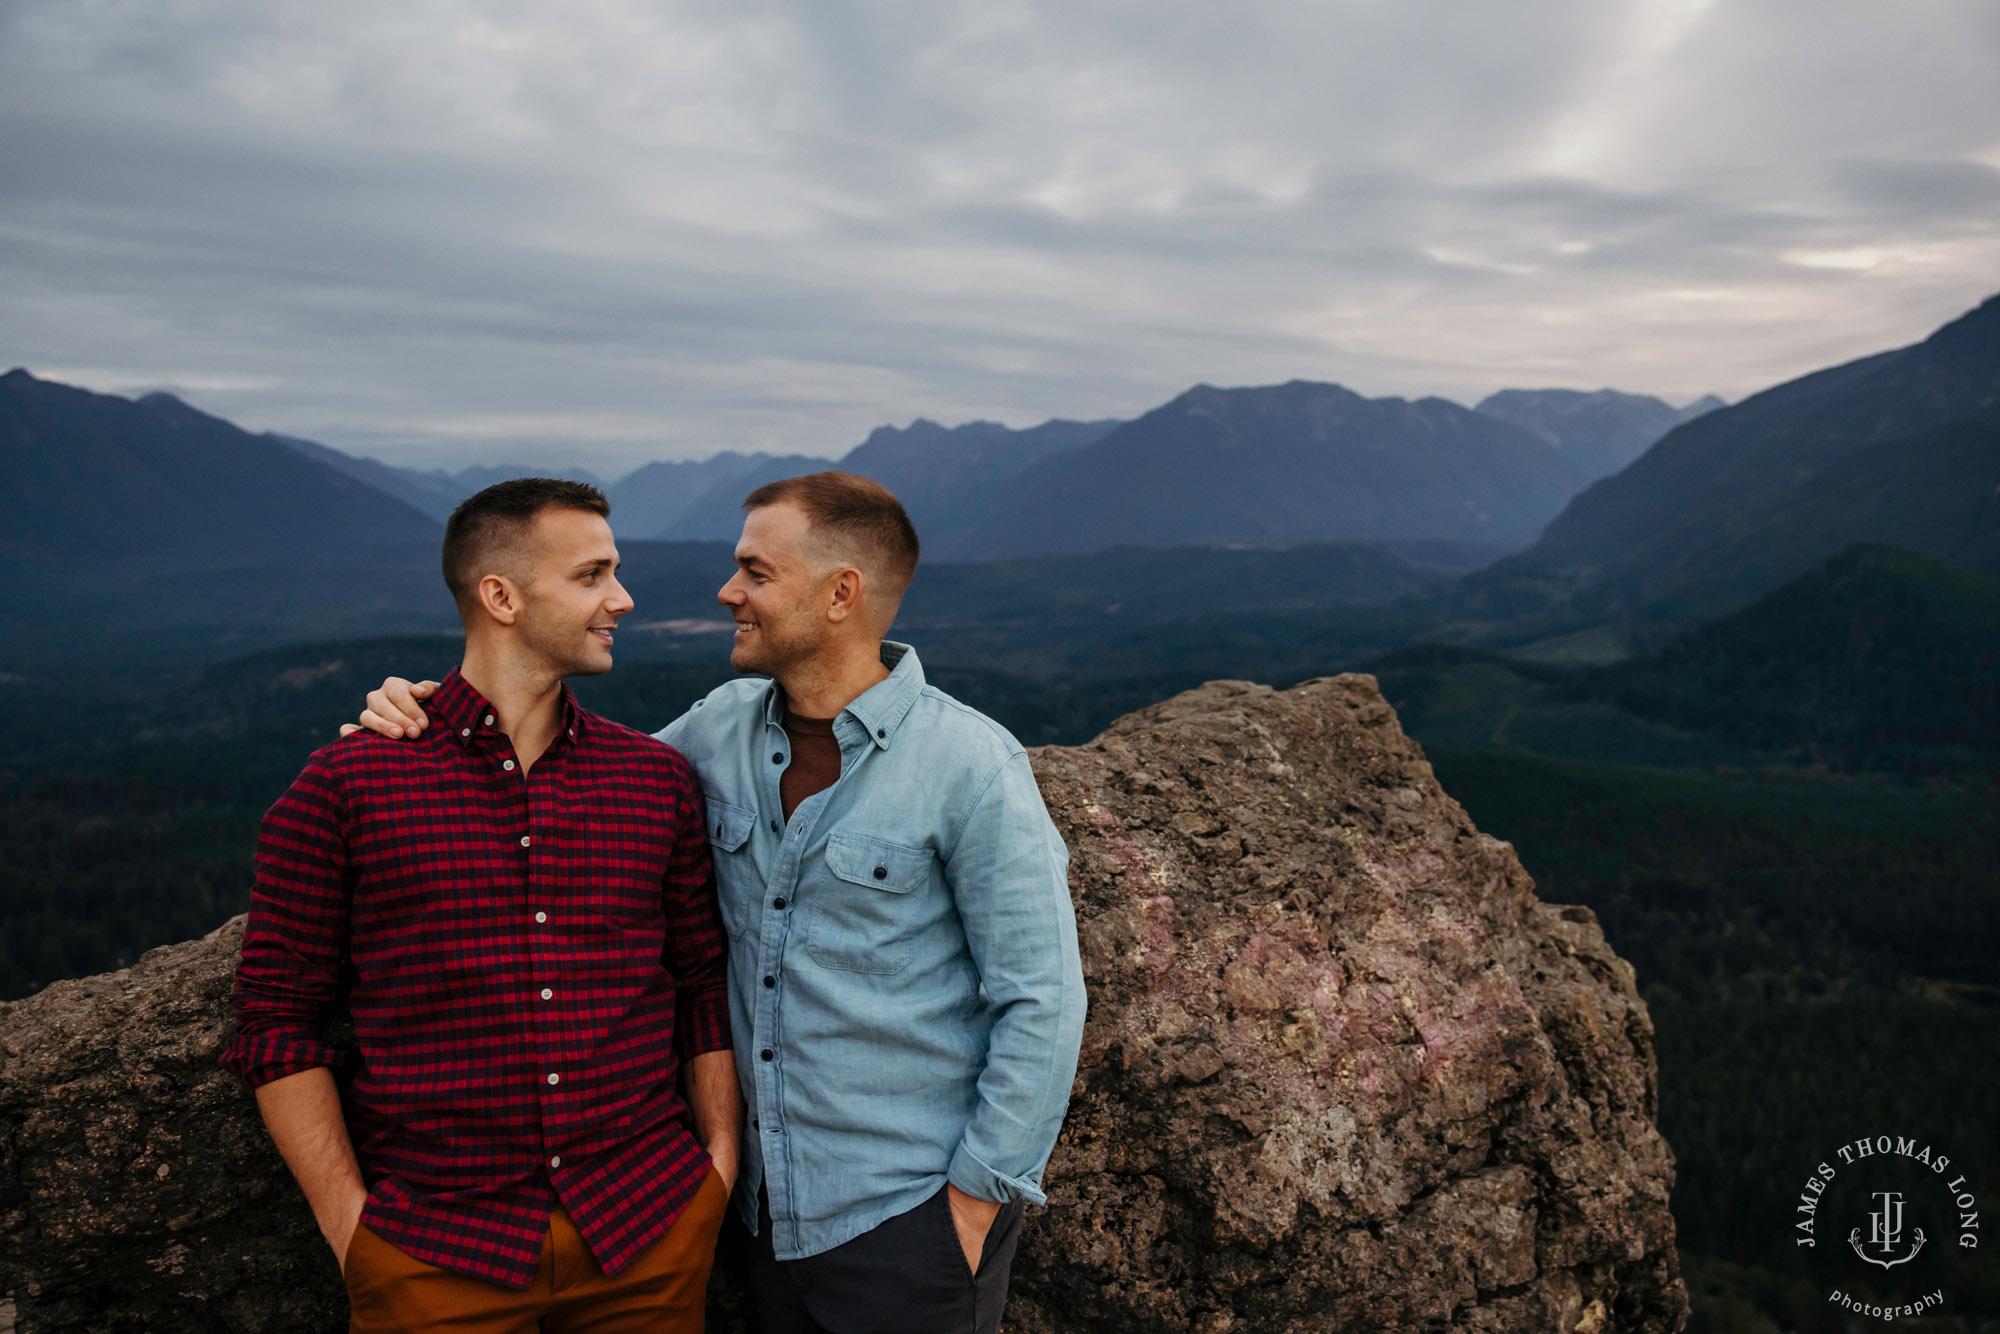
(1343, 1071)
(140, 1191)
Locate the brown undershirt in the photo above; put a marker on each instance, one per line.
(815, 760)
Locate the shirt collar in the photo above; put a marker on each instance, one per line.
(882, 707)
(468, 715)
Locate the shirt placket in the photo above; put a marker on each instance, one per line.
(778, 910)
(529, 799)
(551, 983)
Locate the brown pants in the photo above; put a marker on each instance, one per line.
(661, 1292)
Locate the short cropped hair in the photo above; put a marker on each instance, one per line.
(852, 512)
(485, 524)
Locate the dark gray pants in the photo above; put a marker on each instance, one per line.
(906, 1276)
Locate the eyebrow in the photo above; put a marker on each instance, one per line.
(597, 564)
(753, 562)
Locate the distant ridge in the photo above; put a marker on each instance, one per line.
(714, 512)
(432, 490)
(93, 478)
(1901, 447)
(1349, 468)
(435, 493)
(652, 500)
(1597, 433)
(1297, 462)
(127, 526)
(952, 479)
(974, 489)
(947, 477)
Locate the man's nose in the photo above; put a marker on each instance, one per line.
(620, 601)
(729, 595)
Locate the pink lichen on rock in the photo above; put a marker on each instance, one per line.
(1343, 1070)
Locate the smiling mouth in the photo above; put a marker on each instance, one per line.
(745, 627)
(603, 632)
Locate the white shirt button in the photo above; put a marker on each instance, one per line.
(548, 993)
(556, 1161)
(555, 1078)
(508, 765)
(489, 720)
(465, 731)
(541, 917)
(525, 840)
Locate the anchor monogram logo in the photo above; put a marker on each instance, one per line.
(1885, 1232)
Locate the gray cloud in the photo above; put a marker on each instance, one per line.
(621, 230)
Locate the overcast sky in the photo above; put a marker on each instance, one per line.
(605, 231)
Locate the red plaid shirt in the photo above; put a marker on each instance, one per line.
(528, 959)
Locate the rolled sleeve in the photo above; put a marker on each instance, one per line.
(697, 945)
(295, 942)
(1009, 873)
(983, 1181)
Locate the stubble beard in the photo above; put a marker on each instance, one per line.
(774, 652)
(567, 651)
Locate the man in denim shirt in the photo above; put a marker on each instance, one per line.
(905, 987)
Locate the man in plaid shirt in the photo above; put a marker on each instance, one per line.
(540, 1121)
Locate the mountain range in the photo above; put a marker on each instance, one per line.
(1299, 462)
(116, 503)
(1303, 462)
(159, 518)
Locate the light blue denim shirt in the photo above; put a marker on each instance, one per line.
(903, 973)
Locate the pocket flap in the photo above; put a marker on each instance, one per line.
(728, 824)
(877, 863)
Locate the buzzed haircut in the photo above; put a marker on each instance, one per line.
(487, 523)
(852, 512)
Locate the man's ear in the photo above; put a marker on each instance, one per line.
(499, 598)
(846, 595)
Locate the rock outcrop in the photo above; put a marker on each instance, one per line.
(1343, 1071)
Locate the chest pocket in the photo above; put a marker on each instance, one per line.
(866, 911)
(735, 874)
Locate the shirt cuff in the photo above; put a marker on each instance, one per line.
(259, 1060)
(701, 1022)
(980, 1181)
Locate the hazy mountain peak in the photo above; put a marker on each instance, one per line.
(1290, 389)
(172, 410)
(1980, 326)
(1567, 401)
(922, 438)
(1597, 431)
